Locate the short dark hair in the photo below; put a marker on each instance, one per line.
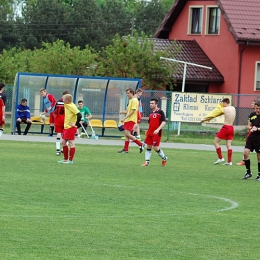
(226, 100)
(2, 85)
(257, 103)
(80, 101)
(23, 100)
(155, 100)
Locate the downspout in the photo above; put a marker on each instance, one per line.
(240, 68)
(239, 80)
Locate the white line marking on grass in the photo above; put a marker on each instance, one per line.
(234, 204)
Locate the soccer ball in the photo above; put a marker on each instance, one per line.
(121, 127)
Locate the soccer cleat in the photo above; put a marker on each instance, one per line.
(142, 147)
(49, 135)
(219, 161)
(58, 153)
(123, 151)
(247, 176)
(145, 164)
(227, 164)
(62, 161)
(240, 163)
(164, 161)
(257, 178)
(68, 162)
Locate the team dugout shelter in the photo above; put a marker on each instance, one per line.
(104, 96)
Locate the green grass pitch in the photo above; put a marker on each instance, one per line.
(106, 206)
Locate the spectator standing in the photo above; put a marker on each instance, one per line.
(154, 133)
(49, 103)
(85, 116)
(23, 116)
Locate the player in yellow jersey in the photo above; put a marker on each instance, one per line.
(72, 118)
(130, 120)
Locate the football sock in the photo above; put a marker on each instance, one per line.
(126, 145)
(66, 152)
(51, 130)
(218, 150)
(138, 142)
(259, 168)
(247, 164)
(1, 132)
(58, 144)
(72, 153)
(229, 155)
(148, 155)
(161, 153)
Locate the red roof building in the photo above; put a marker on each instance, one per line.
(223, 34)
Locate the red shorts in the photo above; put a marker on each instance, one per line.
(69, 134)
(226, 132)
(153, 140)
(129, 125)
(139, 117)
(59, 124)
(52, 118)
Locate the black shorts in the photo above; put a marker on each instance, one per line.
(253, 143)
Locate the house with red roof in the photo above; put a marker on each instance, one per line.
(222, 34)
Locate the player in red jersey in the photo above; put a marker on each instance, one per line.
(59, 115)
(2, 116)
(154, 133)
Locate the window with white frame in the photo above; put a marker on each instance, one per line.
(195, 25)
(213, 20)
(257, 82)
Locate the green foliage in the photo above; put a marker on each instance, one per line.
(135, 57)
(106, 206)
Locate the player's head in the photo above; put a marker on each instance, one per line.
(257, 107)
(43, 92)
(139, 92)
(67, 98)
(65, 92)
(130, 92)
(225, 101)
(24, 101)
(2, 85)
(80, 103)
(153, 103)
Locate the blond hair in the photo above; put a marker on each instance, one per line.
(67, 97)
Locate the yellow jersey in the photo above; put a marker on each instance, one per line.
(70, 115)
(133, 104)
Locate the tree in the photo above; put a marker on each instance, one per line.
(135, 57)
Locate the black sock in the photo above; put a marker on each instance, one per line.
(247, 164)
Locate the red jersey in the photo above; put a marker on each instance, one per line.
(1, 112)
(155, 120)
(59, 111)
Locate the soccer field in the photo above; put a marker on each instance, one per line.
(106, 206)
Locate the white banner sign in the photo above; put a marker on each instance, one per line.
(193, 107)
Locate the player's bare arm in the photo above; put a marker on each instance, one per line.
(160, 127)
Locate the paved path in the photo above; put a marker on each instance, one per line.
(102, 141)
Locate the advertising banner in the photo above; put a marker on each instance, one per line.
(193, 107)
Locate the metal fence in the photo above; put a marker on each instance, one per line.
(94, 102)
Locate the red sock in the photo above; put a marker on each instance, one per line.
(72, 152)
(138, 142)
(66, 152)
(218, 150)
(230, 155)
(126, 145)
